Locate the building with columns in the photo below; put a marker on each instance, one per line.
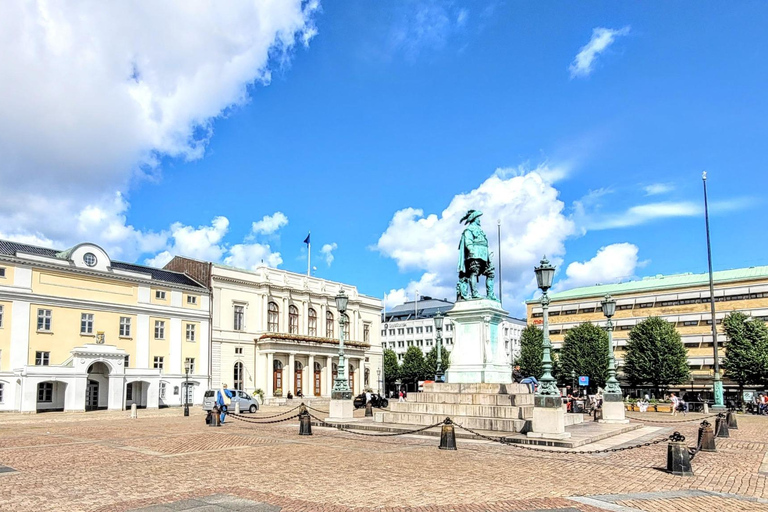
(79, 331)
(278, 331)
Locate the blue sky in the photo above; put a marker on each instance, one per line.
(583, 127)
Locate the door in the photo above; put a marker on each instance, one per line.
(352, 380)
(92, 396)
(318, 373)
(278, 378)
(297, 382)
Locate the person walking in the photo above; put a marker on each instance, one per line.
(401, 396)
(224, 399)
(675, 402)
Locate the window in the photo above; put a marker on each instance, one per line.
(537, 315)
(646, 305)
(312, 323)
(42, 358)
(569, 312)
(162, 390)
(125, 327)
(366, 332)
(624, 306)
(690, 323)
(293, 319)
(273, 315)
(428, 328)
(587, 310)
(554, 313)
(719, 321)
(89, 259)
(191, 332)
(391, 332)
(238, 376)
(1, 392)
(419, 330)
(159, 294)
(400, 344)
(2, 271)
(625, 327)
(401, 331)
(86, 323)
(237, 324)
(159, 329)
(127, 361)
(346, 323)
(189, 362)
(45, 392)
(191, 299)
(449, 327)
(158, 364)
(129, 391)
(329, 325)
(410, 343)
(44, 319)
(1, 316)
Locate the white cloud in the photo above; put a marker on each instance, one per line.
(251, 256)
(270, 223)
(533, 224)
(426, 25)
(601, 39)
(644, 213)
(95, 94)
(612, 264)
(658, 188)
(327, 252)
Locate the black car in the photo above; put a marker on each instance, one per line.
(376, 401)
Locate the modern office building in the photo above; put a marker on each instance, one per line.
(412, 324)
(278, 331)
(682, 299)
(79, 331)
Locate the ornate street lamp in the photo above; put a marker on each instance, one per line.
(341, 389)
(439, 339)
(186, 389)
(545, 273)
(609, 308)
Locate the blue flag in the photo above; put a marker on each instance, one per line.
(306, 240)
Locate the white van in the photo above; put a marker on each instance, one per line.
(247, 402)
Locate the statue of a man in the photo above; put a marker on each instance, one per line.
(474, 259)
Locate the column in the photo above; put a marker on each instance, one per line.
(291, 380)
(283, 327)
(328, 375)
(270, 374)
(310, 376)
(304, 323)
(361, 374)
(321, 328)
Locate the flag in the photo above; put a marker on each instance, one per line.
(306, 240)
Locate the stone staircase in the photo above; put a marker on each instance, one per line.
(496, 407)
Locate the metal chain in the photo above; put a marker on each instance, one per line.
(242, 418)
(322, 423)
(276, 415)
(316, 410)
(670, 421)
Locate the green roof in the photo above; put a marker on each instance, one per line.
(660, 282)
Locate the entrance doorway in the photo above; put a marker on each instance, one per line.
(97, 390)
(92, 396)
(352, 379)
(277, 378)
(318, 373)
(297, 378)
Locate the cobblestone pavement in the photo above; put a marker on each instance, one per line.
(105, 462)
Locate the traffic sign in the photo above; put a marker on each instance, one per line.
(583, 381)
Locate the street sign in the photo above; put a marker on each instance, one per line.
(583, 381)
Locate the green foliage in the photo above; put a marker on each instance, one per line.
(531, 351)
(430, 362)
(413, 367)
(391, 367)
(260, 393)
(746, 351)
(585, 351)
(655, 355)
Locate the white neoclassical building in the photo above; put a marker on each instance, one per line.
(278, 331)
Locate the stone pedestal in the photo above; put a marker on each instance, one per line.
(548, 419)
(341, 410)
(613, 409)
(478, 354)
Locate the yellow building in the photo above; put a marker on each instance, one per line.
(79, 331)
(682, 299)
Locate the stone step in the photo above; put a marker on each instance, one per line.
(485, 388)
(473, 422)
(486, 411)
(573, 419)
(517, 399)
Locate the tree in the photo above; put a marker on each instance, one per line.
(585, 351)
(746, 360)
(413, 365)
(531, 351)
(430, 362)
(655, 355)
(391, 367)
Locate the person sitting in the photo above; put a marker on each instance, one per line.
(299, 394)
(289, 395)
(517, 375)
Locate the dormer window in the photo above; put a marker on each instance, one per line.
(90, 259)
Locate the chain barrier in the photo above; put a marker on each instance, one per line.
(704, 424)
(321, 423)
(316, 410)
(669, 421)
(276, 415)
(240, 417)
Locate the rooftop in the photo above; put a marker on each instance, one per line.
(660, 282)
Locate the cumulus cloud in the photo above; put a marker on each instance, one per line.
(602, 38)
(327, 252)
(612, 264)
(658, 188)
(95, 94)
(251, 256)
(269, 224)
(532, 221)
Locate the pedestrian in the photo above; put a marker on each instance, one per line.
(682, 405)
(675, 401)
(224, 399)
(367, 396)
(401, 396)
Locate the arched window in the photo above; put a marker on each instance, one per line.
(238, 376)
(328, 324)
(312, 323)
(273, 316)
(293, 319)
(346, 326)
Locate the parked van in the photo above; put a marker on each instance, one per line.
(247, 402)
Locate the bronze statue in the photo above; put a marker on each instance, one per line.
(474, 260)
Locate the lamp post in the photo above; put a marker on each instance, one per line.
(545, 273)
(378, 378)
(717, 383)
(573, 381)
(341, 389)
(609, 308)
(439, 339)
(186, 390)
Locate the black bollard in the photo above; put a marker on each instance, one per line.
(369, 410)
(215, 417)
(447, 436)
(678, 456)
(732, 423)
(721, 426)
(706, 437)
(305, 425)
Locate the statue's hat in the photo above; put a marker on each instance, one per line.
(470, 216)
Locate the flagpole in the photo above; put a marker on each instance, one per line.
(309, 255)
